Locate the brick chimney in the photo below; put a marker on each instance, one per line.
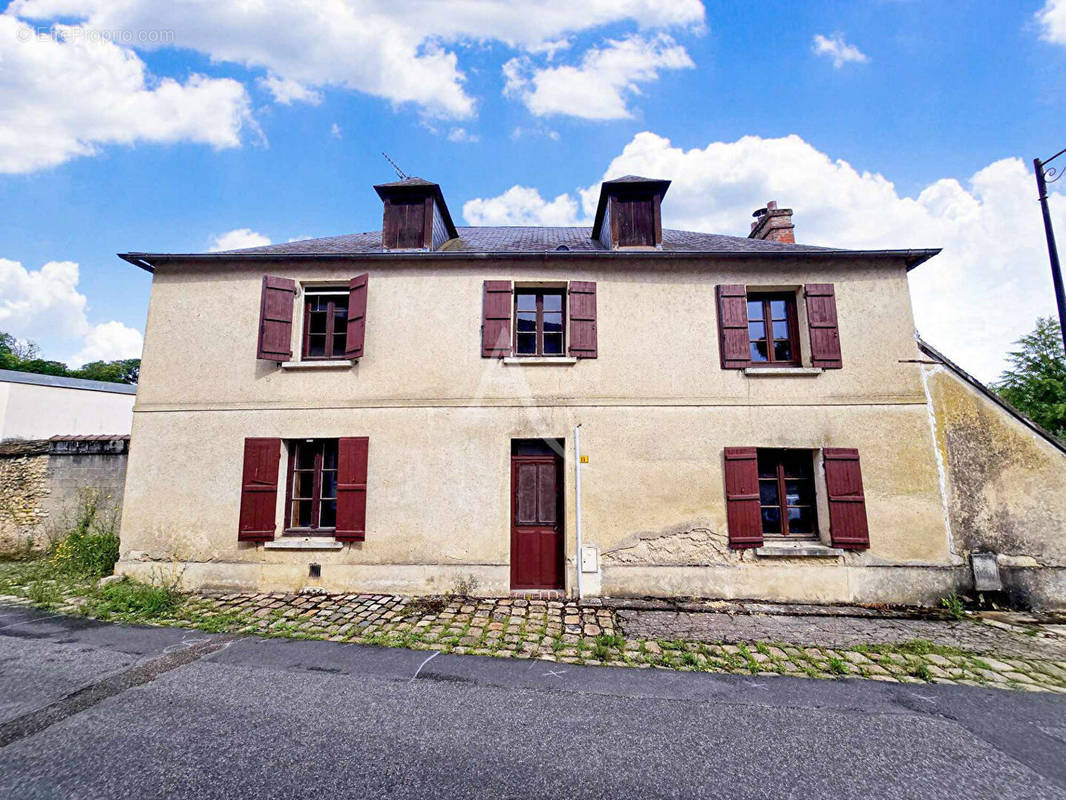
(773, 224)
(416, 216)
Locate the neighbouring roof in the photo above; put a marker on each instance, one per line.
(564, 242)
(12, 376)
(936, 355)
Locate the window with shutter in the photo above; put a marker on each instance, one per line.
(822, 322)
(743, 512)
(259, 489)
(496, 310)
(583, 335)
(275, 319)
(352, 455)
(733, 342)
(357, 297)
(847, 503)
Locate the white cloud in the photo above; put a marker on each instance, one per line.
(66, 95)
(462, 136)
(287, 91)
(335, 131)
(109, 341)
(838, 50)
(521, 205)
(46, 307)
(973, 300)
(393, 49)
(1052, 21)
(599, 88)
(237, 239)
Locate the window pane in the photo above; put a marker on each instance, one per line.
(777, 309)
(781, 330)
(758, 351)
(767, 464)
(798, 493)
(317, 323)
(801, 520)
(327, 512)
(768, 492)
(316, 345)
(527, 321)
(329, 485)
(305, 455)
(553, 344)
(304, 485)
(771, 520)
(339, 342)
(318, 302)
(301, 514)
(782, 351)
(527, 302)
(329, 455)
(797, 464)
(553, 322)
(553, 302)
(756, 331)
(527, 343)
(755, 309)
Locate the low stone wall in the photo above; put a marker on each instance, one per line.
(42, 483)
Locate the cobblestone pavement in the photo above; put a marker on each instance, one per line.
(887, 649)
(836, 632)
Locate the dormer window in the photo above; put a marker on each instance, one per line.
(415, 215)
(628, 214)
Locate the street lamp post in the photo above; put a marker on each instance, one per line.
(1042, 176)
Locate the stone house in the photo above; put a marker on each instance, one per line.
(712, 415)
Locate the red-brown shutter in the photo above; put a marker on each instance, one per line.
(847, 504)
(496, 319)
(351, 488)
(275, 319)
(583, 319)
(733, 342)
(259, 489)
(743, 513)
(357, 289)
(822, 322)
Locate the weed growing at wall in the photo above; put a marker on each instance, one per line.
(90, 548)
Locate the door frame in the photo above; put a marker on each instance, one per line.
(558, 460)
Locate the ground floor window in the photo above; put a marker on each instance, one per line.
(786, 493)
(312, 487)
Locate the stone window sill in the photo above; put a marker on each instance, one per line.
(539, 361)
(340, 363)
(303, 544)
(804, 550)
(782, 372)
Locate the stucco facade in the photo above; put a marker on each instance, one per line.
(39, 406)
(655, 406)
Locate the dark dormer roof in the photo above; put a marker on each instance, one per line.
(418, 187)
(617, 186)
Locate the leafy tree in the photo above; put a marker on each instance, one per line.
(25, 357)
(1035, 383)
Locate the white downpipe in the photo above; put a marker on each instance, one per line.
(577, 504)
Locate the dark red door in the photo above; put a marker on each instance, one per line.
(536, 522)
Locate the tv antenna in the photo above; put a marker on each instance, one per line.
(399, 172)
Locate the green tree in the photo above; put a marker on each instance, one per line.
(25, 357)
(1035, 383)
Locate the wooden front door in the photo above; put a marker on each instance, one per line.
(536, 522)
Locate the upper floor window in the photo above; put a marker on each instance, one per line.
(325, 323)
(786, 493)
(772, 329)
(312, 486)
(539, 322)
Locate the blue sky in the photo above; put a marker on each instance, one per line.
(889, 123)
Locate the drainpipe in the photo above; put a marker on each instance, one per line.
(577, 493)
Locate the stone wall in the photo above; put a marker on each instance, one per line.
(42, 483)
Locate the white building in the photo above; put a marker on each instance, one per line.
(41, 406)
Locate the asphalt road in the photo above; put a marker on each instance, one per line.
(89, 710)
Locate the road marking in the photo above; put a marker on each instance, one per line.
(555, 673)
(432, 656)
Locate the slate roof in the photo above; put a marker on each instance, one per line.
(38, 379)
(522, 239)
(526, 241)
